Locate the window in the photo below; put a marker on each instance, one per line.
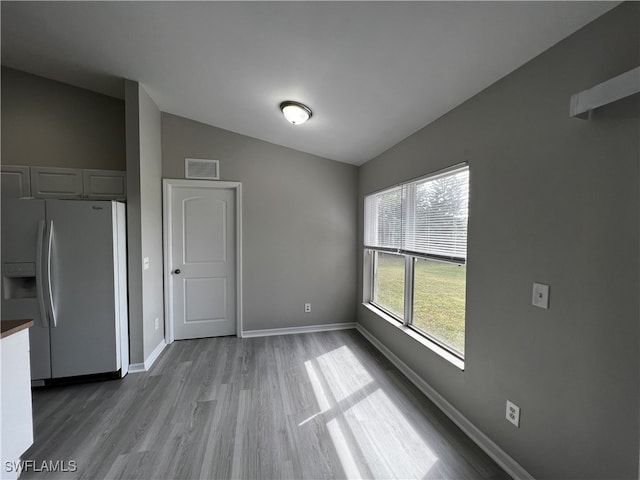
(416, 240)
(388, 290)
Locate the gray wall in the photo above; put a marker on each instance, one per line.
(299, 213)
(151, 196)
(47, 123)
(553, 200)
(144, 221)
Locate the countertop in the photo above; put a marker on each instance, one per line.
(9, 327)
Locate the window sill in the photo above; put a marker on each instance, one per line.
(434, 347)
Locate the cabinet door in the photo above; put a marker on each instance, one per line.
(16, 182)
(104, 184)
(50, 182)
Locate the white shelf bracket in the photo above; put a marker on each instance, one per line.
(604, 93)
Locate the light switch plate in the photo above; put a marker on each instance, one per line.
(540, 297)
(145, 263)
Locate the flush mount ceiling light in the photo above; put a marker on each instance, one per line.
(295, 112)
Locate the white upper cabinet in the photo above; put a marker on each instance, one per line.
(50, 182)
(54, 182)
(16, 181)
(104, 184)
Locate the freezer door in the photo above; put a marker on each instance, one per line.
(84, 337)
(22, 252)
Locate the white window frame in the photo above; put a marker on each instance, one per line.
(369, 272)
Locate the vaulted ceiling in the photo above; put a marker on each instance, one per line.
(372, 72)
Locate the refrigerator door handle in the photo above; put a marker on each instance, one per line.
(40, 274)
(50, 304)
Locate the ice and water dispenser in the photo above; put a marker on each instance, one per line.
(19, 280)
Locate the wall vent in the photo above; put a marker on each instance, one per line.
(202, 169)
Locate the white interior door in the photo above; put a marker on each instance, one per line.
(201, 220)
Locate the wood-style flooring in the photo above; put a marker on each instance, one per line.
(310, 406)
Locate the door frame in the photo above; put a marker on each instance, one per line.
(167, 186)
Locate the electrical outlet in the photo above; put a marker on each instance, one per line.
(157, 323)
(307, 308)
(513, 413)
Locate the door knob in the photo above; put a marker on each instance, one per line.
(177, 271)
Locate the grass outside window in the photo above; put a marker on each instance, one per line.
(439, 296)
(389, 283)
(439, 301)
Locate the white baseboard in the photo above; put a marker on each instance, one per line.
(293, 330)
(149, 361)
(512, 467)
(137, 368)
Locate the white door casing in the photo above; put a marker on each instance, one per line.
(202, 250)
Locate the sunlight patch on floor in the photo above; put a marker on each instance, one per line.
(347, 460)
(371, 436)
(321, 397)
(387, 439)
(343, 372)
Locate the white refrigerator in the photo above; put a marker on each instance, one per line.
(64, 266)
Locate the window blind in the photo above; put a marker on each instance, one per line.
(383, 219)
(427, 217)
